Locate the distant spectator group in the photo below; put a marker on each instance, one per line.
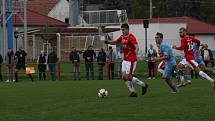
(102, 58)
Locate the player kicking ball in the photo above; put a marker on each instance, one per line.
(187, 46)
(170, 63)
(130, 50)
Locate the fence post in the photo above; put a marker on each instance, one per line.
(59, 72)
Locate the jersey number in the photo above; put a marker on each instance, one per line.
(190, 45)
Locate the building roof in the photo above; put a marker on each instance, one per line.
(37, 19)
(42, 6)
(193, 26)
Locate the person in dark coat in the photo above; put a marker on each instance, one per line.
(151, 64)
(111, 58)
(41, 61)
(89, 56)
(101, 60)
(20, 56)
(10, 63)
(52, 60)
(75, 60)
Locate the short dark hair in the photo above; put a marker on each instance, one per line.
(110, 47)
(183, 29)
(125, 25)
(159, 34)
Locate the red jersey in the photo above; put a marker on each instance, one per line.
(187, 46)
(128, 43)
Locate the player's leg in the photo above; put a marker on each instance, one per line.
(187, 76)
(186, 79)
(136, 80)
(180, 71)
(18, 67)
(169, 70)
(30, 76)
(128, 83)
(161, 67)
(195, 66)
(206, 69)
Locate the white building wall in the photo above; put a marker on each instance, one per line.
(170, 32)
(207, 39)
(60, 11)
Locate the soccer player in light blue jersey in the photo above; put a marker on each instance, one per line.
(170, 63)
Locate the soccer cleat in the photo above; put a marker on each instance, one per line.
(180, 85)
(144, 89)
(7, 81)
(174, 92)
(133, 94)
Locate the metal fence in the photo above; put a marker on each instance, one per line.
(103, 17)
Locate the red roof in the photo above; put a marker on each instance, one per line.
(42, 6)
(194, 26)
(36, 19)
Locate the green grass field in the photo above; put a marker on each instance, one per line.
(67, 100)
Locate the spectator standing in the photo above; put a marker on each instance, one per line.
(75, 60)
(1, 61)
(10, 63)
(101, 60)
(89, 56)
(20, 55)
(151, 64)
(111, 58)
(52, 60)
(41, 61)
(207, 55)
(119, 61)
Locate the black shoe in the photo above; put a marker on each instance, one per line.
(133, 94)
(144, 89)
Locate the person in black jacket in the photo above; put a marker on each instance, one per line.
(52, 60)
(10, 63)
(207, 55)
(75, 60)
(41, 61)
(20, 55)
(89, 56)
(151, 64)
(1, 61)
(101, 59)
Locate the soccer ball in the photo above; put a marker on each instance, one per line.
(102, 93)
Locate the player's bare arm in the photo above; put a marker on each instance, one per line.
(165, 57)
(136, 48)
(111, 42)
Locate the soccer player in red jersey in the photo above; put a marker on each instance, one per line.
(130, 49)
(187, 46)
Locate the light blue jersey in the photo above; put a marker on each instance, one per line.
(197, 55)
(166, 50)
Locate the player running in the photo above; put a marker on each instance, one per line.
(170, 63)
(130, 49)
(199, 60)
(187, 45)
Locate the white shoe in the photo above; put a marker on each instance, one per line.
(7, 81)
(149, 78)
(14, 80)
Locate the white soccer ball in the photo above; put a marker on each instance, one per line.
(102, 93)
